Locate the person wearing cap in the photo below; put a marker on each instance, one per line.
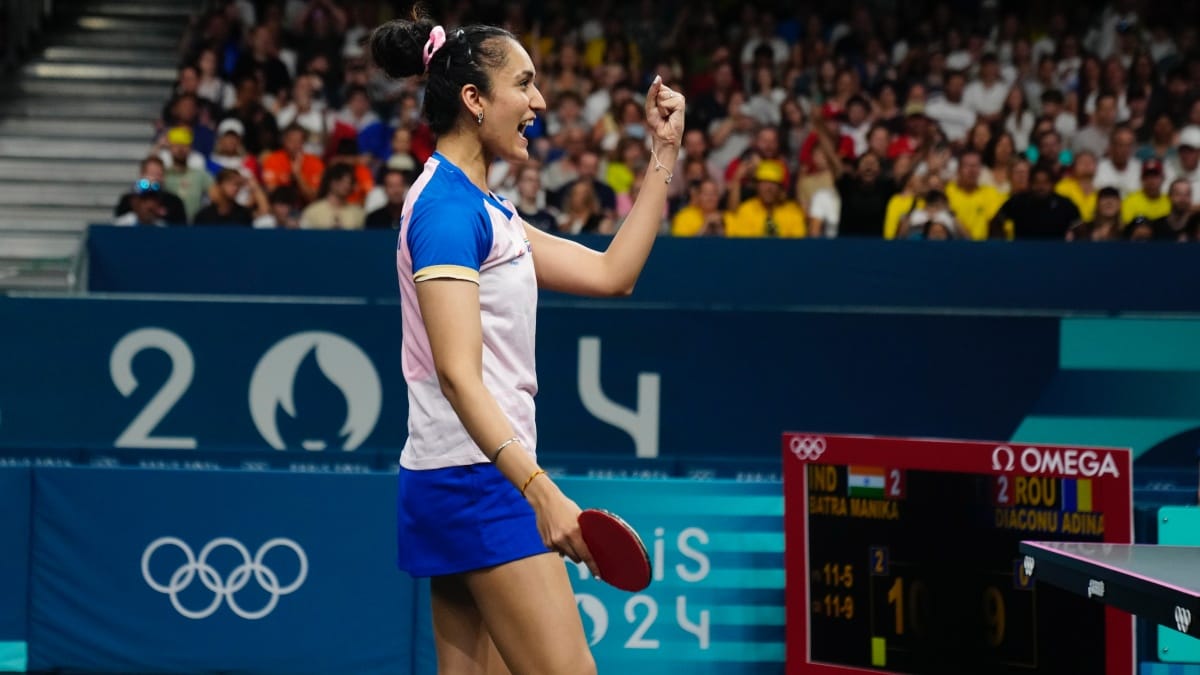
(769, 213)
(1105, 225)
(1150, 202)
(229, 152)
(153, 170)
(766, 145)
(145, 207)
(1186, 163)
(181, 177)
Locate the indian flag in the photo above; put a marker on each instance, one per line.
(865, 481)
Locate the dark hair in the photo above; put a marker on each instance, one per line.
(1043, 168)
(226, 174)
(285, 194)
(989, 153)
(389, 171)
(151, 159)
(334, 173)
(1052, 96)
(467, 57)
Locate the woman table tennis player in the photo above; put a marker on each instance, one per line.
(476, 514)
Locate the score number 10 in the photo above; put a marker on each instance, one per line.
(912, 608)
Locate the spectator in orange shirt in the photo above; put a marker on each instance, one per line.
(290, 165)
(347, 153)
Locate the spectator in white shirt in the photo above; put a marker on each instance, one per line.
(949, 110)
(1016, 117)
(1064, 122)
(1120, 169)
(1186, 165)
(1095, 136)
(985, 96)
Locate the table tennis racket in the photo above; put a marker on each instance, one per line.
(621, 557)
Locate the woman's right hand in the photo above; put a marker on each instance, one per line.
(558, 522)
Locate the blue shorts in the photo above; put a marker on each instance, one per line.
(462, 518)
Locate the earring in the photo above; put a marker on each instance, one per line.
(479, 118)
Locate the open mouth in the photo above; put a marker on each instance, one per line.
(523, 126)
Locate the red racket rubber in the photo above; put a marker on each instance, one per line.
(620, 555)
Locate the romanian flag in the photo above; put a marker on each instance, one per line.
(865, 481)
(1076, 495)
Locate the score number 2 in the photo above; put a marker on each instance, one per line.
(913, 606)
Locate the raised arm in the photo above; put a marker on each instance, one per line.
(569, 267)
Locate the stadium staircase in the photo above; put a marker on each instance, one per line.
(75, 119)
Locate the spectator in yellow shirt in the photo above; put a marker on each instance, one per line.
(1079, 185)
(903, 203)
(1150, 202)
(703, 215)
(770, 213)
(973, 204)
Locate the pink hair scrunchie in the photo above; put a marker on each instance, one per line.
(437, 38)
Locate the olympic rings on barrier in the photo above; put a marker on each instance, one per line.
(224, 589)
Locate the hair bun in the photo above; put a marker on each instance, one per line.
(397, 46)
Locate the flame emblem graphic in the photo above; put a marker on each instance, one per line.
(341, 361)
(593, 609)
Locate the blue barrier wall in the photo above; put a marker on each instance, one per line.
(15, 502)
(704, 391)
(233, 571)
(682, 272)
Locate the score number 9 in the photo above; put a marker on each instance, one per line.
(911, 610)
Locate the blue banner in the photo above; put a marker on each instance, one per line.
(625, 389)
(707, 272)
(201, 375)
(199, 571)
(15, 501)
(166, 571)
(323, 381)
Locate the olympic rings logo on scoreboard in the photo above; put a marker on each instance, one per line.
(807, 448)
(224, 589)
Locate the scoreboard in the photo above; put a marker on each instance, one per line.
(902, 556)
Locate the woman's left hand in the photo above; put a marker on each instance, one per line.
(664, 113)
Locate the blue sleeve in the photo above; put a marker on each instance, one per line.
(449, 239)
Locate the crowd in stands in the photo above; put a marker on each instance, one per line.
(915, 120)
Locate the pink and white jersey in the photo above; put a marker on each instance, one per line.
(449, 228)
